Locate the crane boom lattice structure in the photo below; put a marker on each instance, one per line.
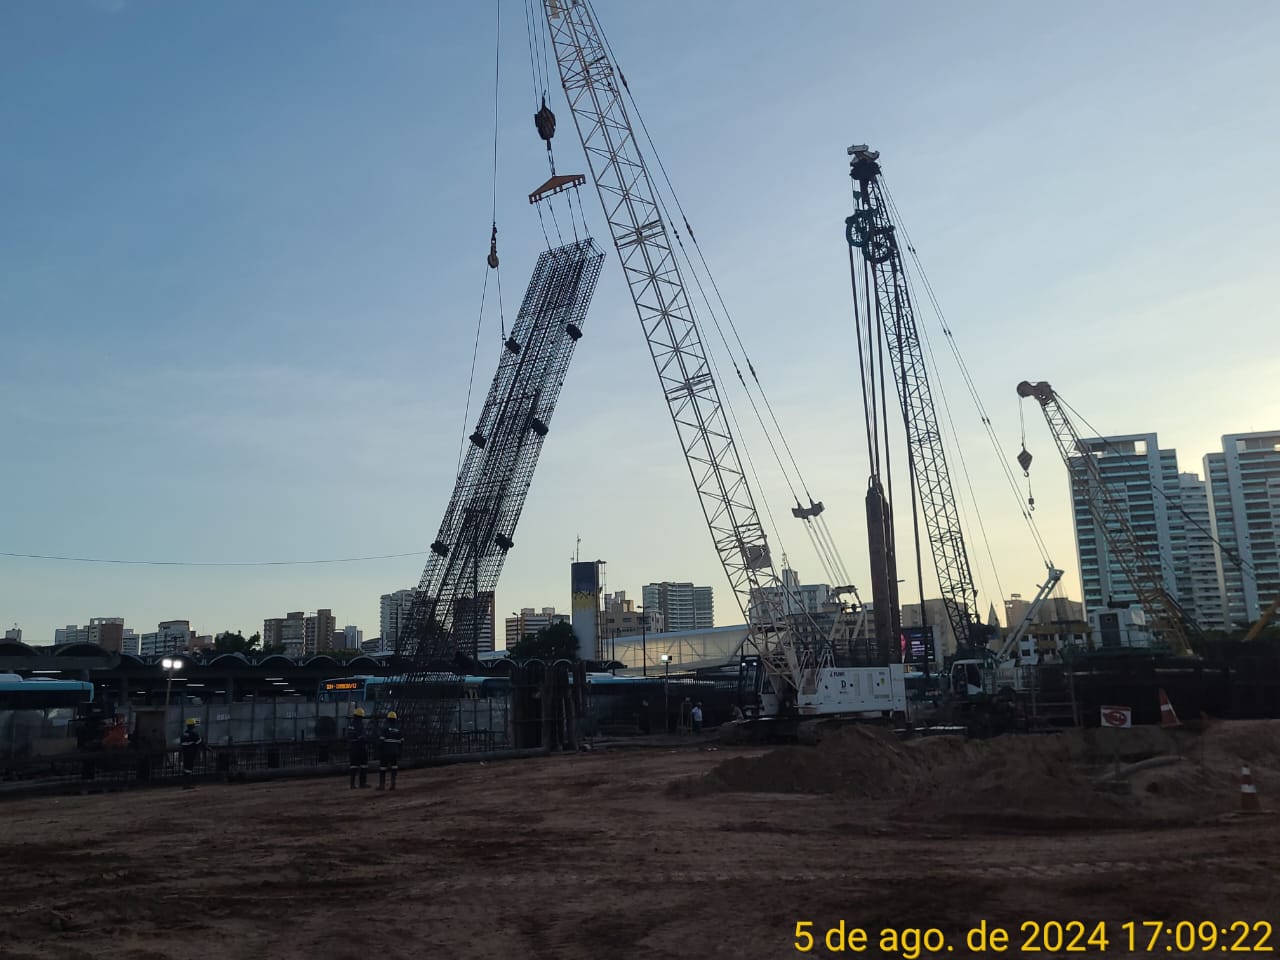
(455, 595)
(871, 230)
(1168, 617)
(649, 262)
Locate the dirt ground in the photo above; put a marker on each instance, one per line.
(697, 852)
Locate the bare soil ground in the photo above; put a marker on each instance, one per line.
(691, 853)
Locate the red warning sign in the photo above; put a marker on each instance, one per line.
(1117, 716)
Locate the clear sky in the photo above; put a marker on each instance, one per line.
(242, 247)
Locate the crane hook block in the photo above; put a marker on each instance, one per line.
(511, 345)
(545, 121)
(492, 259)
(1024, 461)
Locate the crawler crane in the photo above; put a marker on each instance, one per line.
(785, 678)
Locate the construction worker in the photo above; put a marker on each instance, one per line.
(189, 746)
(696, 716)
(390, 742)
(357, 749)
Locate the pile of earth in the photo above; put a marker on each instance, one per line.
(1064, 778)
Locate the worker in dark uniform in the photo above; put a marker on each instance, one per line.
(189, 746)
(390, 742)
(357, 749)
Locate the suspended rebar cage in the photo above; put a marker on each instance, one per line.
(454, 599)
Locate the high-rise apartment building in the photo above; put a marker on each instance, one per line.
(793, 597)
(289, 632)
(1244, 509)
(1195, 555)
(529, 621)
(622, 619)
(682, 605)
(171, 636)
(394, 609)
(317, 632)
(1142, 480)
(352, 638)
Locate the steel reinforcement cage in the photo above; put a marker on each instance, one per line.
(455, 594)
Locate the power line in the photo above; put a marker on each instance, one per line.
(212, 563)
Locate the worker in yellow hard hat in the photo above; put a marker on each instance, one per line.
(357, 749)
(189, 746)
(390, 742)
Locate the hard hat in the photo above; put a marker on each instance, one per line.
(192, 721)
(359, 711)
(392, 715)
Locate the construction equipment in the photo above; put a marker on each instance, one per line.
(882, 298)
(1006, 671)
(1261, 623)
(1164, 616)
(785, 677)
(454, 599)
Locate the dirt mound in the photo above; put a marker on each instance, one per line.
(1019, 780)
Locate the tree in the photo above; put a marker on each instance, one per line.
(229, 642)
(553, 642)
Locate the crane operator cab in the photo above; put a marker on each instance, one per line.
(751, 681)
(967, 678)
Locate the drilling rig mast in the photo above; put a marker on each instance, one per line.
(882, 294)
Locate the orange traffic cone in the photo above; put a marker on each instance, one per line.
(1248, 792)
(1168, 718)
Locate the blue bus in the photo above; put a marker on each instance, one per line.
(444, 686)
(17, 693)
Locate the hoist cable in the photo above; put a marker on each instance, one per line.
(475, 351)
(967, 377)
(530, 37)
(212, 563)
(644, 127)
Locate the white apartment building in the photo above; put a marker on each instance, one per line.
(170, 636)
(1131, 467)
(1244, 507)
(394, 611)
(530, 620)
(1196, 556)
(682, 605)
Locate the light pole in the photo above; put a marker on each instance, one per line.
(171, 665)
(644, 641)
(666, 686)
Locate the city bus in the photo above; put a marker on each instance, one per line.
(17, 693)
(442, 686)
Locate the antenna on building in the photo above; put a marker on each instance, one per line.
(577, 550)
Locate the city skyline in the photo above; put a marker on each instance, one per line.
(239, 318)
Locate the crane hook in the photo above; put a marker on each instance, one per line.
(493, 248)
(545, 121)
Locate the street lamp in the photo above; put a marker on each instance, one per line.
(666, 686)
(644, 640)
(172, 665)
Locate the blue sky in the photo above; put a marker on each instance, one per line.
(242, 244)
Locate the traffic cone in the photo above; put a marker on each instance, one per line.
(1248, 792)
(1168, 718)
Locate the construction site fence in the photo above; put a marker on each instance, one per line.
(238, 737)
